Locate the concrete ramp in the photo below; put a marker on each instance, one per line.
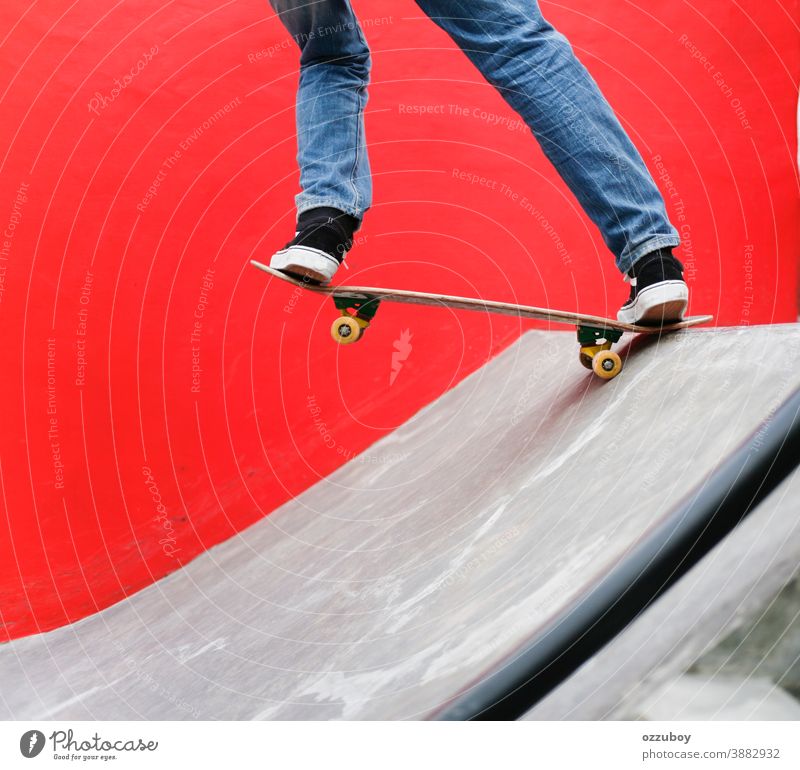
(640, 674)
(391, 585)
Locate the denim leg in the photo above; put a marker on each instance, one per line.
(331, 97)
(535, 70)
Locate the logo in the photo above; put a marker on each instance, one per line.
(402, 350)
(31, 743)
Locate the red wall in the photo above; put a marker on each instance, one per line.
(114, 471)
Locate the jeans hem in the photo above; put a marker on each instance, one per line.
(306, 203)
(628, 260)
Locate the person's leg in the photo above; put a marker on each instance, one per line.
(335, 182)
(535, 70)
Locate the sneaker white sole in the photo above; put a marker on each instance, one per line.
(305, 261)
(658, 304)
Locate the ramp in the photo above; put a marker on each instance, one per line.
(728, 590)
(391, 585)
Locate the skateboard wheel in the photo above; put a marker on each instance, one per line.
(585, 360)
(345, 330)
(606, 364)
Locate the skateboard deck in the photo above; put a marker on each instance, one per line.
(358, 304)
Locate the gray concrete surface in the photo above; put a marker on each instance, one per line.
(769, 644)
(721, 698)
(393, 583)
(639, 675)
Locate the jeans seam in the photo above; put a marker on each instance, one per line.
(360, 105)
(359, 118)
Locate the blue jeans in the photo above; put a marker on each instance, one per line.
(531, 65)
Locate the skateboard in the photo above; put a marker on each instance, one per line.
(357, 306)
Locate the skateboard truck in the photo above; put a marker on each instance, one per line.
(596, 353)
(354, 319)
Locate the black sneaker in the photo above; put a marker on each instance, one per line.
(324, 235)
(659, 295)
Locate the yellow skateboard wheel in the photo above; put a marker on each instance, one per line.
(606, 364)
(345, 330)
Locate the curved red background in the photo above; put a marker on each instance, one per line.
(159, 394)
